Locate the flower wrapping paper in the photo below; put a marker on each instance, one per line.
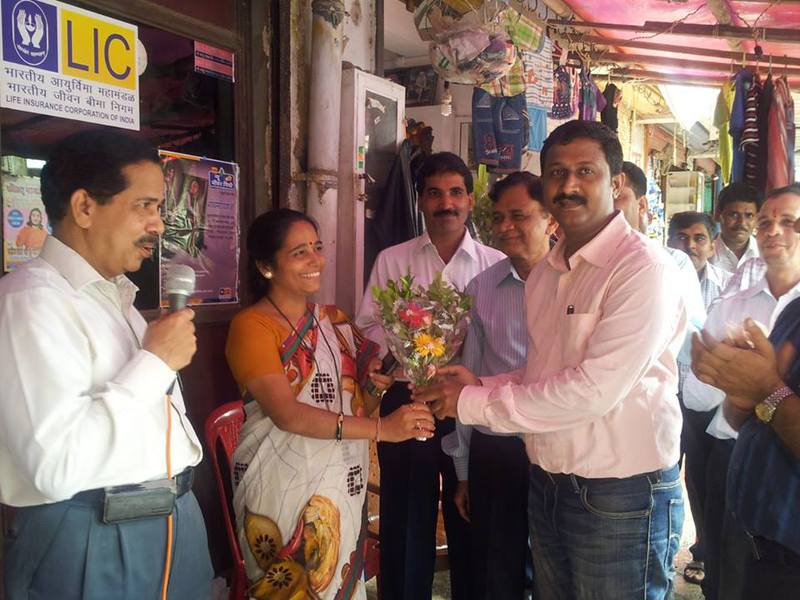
(424, 327)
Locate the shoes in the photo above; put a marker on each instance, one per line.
(694, 572)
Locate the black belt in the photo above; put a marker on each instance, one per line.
(764, 549)
(568, 479)
(183, 483)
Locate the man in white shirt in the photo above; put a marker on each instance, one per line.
(84, 404)
(737, 207)
(597, 399)
(410, 471)
(779, 245)
(632, 201)
(692, 232)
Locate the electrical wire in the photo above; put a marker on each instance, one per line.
(671, 27)
(168, 555)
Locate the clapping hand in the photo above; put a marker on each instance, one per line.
(747, 374)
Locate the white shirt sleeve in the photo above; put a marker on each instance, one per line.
(697, 395)
(457, 444)
(65, 431)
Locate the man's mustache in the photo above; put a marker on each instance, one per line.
(446, 211)
(147, 240)
(560, 198)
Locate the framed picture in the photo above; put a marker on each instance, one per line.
(421, 84)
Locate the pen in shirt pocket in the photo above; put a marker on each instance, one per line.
(570, 309)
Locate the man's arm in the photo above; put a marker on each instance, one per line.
(63, 428)
(471, 358)
(786, 423)
(696, 394)
(641, 317)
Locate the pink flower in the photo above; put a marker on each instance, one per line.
(415, 316)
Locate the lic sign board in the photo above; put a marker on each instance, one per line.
(67, 62)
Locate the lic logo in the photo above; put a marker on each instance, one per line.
(29, 34)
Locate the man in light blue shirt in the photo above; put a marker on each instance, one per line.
(492, 492)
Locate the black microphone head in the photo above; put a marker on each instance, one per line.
(179, 285)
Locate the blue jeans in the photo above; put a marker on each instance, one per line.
(604, 539)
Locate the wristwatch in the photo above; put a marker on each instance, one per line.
(765, 409)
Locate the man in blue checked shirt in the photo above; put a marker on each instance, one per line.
(761, 379)
(492, 492)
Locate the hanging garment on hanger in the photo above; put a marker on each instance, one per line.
(539, 76)
(608, 115)
(537, 133)
(750, 140)
(722, 116)
(500, 130)
(396, 217)
(781, 132)
(527, 36)
(510, 84)
(742, 82)
(591, 100)
(764, 104)
(562, 94)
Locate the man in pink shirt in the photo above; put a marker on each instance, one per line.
(597, 399)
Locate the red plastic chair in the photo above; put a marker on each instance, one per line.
(222, 430)
(222, 433)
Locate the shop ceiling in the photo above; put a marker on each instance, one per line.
(659, 41)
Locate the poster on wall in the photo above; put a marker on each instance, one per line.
(25, 225)
(67, 62)
(201, 224)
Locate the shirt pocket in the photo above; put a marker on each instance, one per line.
(578, 328)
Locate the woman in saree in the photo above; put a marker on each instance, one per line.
(301, 466)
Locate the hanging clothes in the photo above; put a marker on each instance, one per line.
(722, 116)
(591, 100)
(563, 107)
(608, 115)
(528, 37)
(750, 140)
(736, 125)
(537, 119)
(764, 104)
(780, 137)
(396, 218)
(500, 130)
(538, 92)
(539, 76)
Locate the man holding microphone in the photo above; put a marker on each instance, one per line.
(85, 405)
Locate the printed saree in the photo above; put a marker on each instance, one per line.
(300, 502)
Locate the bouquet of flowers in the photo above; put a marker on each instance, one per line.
(424, 327)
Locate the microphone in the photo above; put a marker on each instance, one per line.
(180, 286)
